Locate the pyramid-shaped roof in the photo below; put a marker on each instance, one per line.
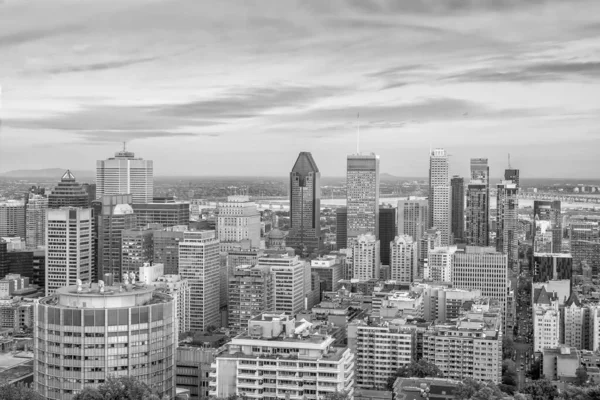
(305, 164)
(573, 299)
(542, 296)
(68, 176)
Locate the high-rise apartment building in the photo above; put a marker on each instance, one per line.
(35, 221)
(439, 194)
(365, 258)
(69, 247)
(507, 232)
(68, 193)
(12, 219)
(457, 185)
(362, 195)
(546, 320)
(125, 174)
(166, 247)
(387, 232)
(291, 282)
(279, 358)
(439, 264)
(547, 226)
(86, 333)
(116, 215)
(413, 217)
(478, 204)
(199, 264)
(341, 225)
(305, 205)
(238, 219)
(404, 259)
(177, 288)
(250, 293)
(380, 350)
(164, 212)
(137, 248)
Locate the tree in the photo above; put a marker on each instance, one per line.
(541, 389)
(581, 376)
(470, 389)
(343, 395)
(508, 348)
(19, 392)
(509, 373)
(118, 388)
(534, 372)
(419, 369)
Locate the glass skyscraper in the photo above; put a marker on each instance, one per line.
(362, 195)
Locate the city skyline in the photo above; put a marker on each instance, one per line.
(175, 84)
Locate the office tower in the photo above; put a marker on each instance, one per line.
(546, 320)
(472, 348)
(39, 268)
(250, 293)
(125, 174)
(378, 360)
(330, 269)
(439, 264)
(439, 194)
(68, 193)
(512, 175)
(413, 217)
(68, 247)
(404, 259)
(116, 215)
(507, 233)
(174, 285)
(4, 263)
(341, 225)
(21, 262)
(166, 247)
(164, 212)
(431, 239)
(365, 258)
(291, 282)
(362, 196)
(137, 248)
(193, 368)
(585, 245)
(12, 218)
(238, 219)
(267, 371)
(35, 221)
(549, 266)
(199, 264)
(457, 185)
(387, 232)
(85, 334)
(305, 205)
(547, 226)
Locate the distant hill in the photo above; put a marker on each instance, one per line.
(50, 173)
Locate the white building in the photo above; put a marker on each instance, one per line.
(403, 259)
(69, 247)
(281, 358)
(365, 258)
(439, 264)
(238, 219)
(291, 282)
(546, 320)
(125, 174)
(413, 217)
(199, 263)
(362, 195)
(35, 221)
(439, 194)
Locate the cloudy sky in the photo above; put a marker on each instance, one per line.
(240, 87)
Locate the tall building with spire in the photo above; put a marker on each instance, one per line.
(68, 193)
(125, 174)
(305, 205)
(439, 194)
(362, 196)
(478, 204)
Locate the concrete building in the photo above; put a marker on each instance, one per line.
(137, 247)
(457, 185)
(546, 320)
(439, 194)
(404, 259)
(12, 283)
(166, 212)
(12, 218)
(69, 247)
(380, 350)
(238, 219)
(35, 221)
(279, 358)
(362, 196)
(85, 334)
(68, 193)
(305, 205)
(341, 224)
(575, 330)
(365, 258)
(431, 239)
(125, 174)
(547, 226)
(166, 247)
(552, 266)
(561, 363)
(507, 232)
(179, 289)
(193, 368)
(250, 293)
(16, 314)
(330, 270)
(291, 282)
(585, 244)
(199, 264)
(439, 264)
(413, 217)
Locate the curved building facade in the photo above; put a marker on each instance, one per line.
(84, 335)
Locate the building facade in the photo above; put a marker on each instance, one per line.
(12, 219)
(507, 232)
(125, 174)
(238, 219)
(547, 226)
(439, 194)
(362, 196)
(457, 185)
(250, 294)
(166, 247)
(387, 232)
(404, 259)
(35, 221)
(137, 248)
(291, 282)
(68, 193)
(166, 213)
(341, 225)
(365, 258)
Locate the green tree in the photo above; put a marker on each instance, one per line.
(541, 389)
(470, 389)
(118, 388)
(509, 373)
(581, 376)
(419, 369)
(19, 392)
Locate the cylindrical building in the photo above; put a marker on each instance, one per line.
(85, 334)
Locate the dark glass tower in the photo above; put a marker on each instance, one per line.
(387, 232)
(478, 204)
(341, 224)
(457, 185)
(68, 193)
(512, 175)
(305, 205)
(547, 226)
(4, 263)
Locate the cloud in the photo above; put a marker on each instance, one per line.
(32, 35)
(100, 66)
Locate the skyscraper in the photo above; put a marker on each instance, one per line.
(238, 219)
(478, 204)
(413, 217)
(439, 194)
(137, 248)
(547, 226)
(362, 195)
(69, 247)
(512, 175)
(12, 219)
(291, 282)
(387, 232)
(35, 220)
(585, 244)
(458, 208)
(250, 292)
(165, 212)
(166, 247)
(68, 193)
(341, 225)
(125, 174)
(4, 261)
(305, 205)
(507, 240)
(403, 259)
(199, 264)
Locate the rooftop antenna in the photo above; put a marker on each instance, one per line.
(357, 133)
(124, 146)
(509, 161)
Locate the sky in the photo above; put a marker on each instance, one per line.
(225, 87)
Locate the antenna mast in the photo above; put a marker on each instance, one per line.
(509, 161)
(357, 133)
(124, 146)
